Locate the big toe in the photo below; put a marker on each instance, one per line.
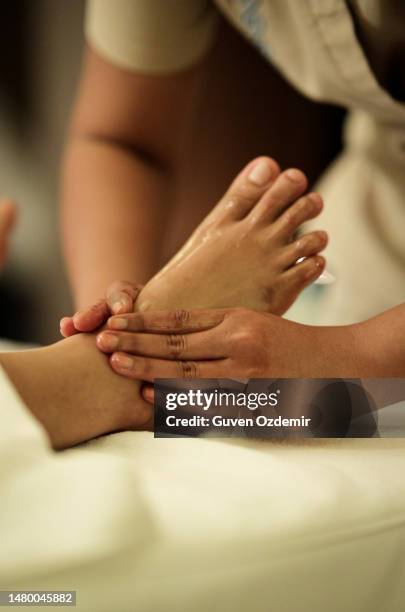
(248, 187)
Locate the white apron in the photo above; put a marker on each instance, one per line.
(314, 45)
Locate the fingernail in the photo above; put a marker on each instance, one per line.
(121, 361)
(117, 323)
(261, 173)
(109, 341)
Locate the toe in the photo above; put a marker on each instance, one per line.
(306, 208)
(305, 246)
(287, 187)
(304, 273)
(290, 283)
(248, 187)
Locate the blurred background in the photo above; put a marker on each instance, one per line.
(244, 104)
(40, 49)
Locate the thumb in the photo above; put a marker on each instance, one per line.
(121, 296)
(148, 393)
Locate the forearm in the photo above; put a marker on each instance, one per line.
(382, 343)
(372, 349)
(114, 208)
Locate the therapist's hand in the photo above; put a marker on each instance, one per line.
(226, 343)
(120, 298)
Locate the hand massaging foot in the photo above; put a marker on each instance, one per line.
(244, 253)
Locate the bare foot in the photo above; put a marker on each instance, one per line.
(244, 252)
(71, 389)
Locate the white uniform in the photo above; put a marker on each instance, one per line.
(315, 45)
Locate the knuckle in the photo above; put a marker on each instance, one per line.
(176, 344)
(241, 196)
(180, 317)
(248, 338)
(241, 339)
(187, 369)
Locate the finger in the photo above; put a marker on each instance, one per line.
(90, 319)
(140, 368)
(209, 344)
(181, 321)
(148, 394)
(122, 295)
(67, 327)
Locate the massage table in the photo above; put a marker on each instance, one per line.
(134, 523)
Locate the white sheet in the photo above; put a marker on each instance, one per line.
(134, 523)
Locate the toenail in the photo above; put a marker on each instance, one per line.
(109, 341)
(294, 175)
(261, 173)
(316, 198)
(323, 236)
(316, 265)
